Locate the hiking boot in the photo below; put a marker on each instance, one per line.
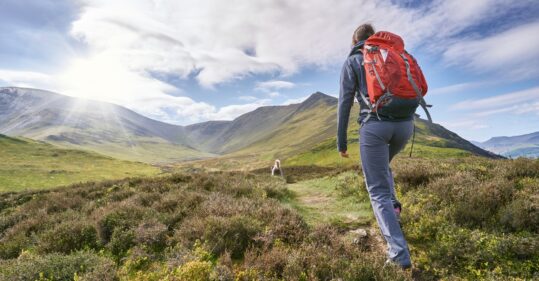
(398, 213)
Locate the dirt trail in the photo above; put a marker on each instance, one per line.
(320, 204)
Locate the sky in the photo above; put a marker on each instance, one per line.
(189, 61)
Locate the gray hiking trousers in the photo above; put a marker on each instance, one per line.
(379, 142)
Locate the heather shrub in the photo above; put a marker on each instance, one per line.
(284, 224)
(477, 205)
(147, 199)
(9, 220)
(137, 259)
(55, 266)
(106, 270)
(120, 195)
(522, 214)
(152, 234)
(219, 234)
(121, 241)
(11, 246)
(521, 168)
(475, 223)
(123, 217)
(194, 270)
(53, 202)
(411, 173)
(68, 237)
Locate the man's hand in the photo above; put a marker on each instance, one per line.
(344, 154)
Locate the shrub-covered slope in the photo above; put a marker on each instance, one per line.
(467, 218)
(222, 226)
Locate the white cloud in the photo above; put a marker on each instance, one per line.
(512, 53)
(183, 110)
(226, 40)
(274, 94)
(527, 96)
(459, 88)
(465, 124)
(523, 108)
(222, 41)
(27, 79)
(230, 112)
(247, 98)
(296, 100)
(274, 85)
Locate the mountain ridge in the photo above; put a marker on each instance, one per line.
(526, 145)
(268, 131)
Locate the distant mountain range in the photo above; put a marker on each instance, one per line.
(113, 130)
(102, 127)
(517, 146)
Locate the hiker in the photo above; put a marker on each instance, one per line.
(277, 167)
(386, 120)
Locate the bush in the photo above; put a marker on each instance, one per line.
(120, 242)
(232, 234)
(68, 237)
(194, 270)
(477, 205)
(56, 267)
(124, 217)
(412, 173)
(521, 214)
(350, 184)
(521, 168)
(152, 234)
(12, 246)
(103, 271)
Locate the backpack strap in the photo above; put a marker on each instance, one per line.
(358, 50)
(422, 102)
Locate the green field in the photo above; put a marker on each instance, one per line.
(29, 164)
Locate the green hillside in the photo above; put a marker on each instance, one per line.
(431, 141)
(29, 164)
(312, 122)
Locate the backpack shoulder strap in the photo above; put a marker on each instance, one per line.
(422, 102)
(359, 50)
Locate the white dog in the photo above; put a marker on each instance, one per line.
(277, 167)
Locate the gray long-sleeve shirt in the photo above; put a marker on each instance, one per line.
(352, 82)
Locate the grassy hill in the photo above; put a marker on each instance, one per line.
(466, 219)
(431, 141)
(29, 164)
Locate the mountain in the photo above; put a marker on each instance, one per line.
(516, 146)
(30, 164)
(265, 133)
(102, 127)
(269, 128)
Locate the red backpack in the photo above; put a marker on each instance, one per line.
(395, 82)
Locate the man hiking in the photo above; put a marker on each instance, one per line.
(380, 74)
